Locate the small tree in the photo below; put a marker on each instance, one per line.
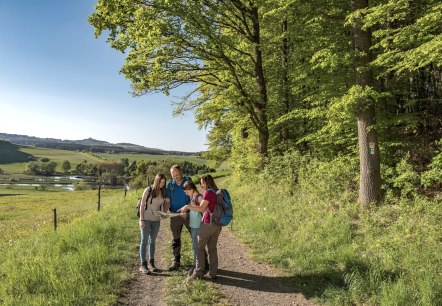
(66, 166)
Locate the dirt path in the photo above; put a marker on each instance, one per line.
(247, 282)
(150, 289)
(241, 280)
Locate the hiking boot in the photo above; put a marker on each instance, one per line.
(175, 263)
(152, 265)
(174, 266)
(143, 268)
(210, 277)
(190, 271)
(206, 268)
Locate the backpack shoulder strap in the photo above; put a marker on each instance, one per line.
(149, 193)
(198, 199)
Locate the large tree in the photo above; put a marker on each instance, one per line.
(369, 156)
(213, 45)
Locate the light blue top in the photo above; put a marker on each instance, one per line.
(195, 216)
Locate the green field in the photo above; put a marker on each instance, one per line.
(137, 157)
(84, 262)
(25, 211)
(54, 155)
(76, 157)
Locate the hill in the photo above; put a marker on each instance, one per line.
(10, 153)
(89, 144)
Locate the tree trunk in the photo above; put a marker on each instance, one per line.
(370, 175)
(261, 107)
(285, 81)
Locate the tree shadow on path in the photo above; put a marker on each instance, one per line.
(308, 285)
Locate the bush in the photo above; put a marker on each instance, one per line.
(330, 180)
(284, 170)
(400, 180)
(81, 186)
(434, 175)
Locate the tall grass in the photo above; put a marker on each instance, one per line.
(314, 231)
(30, 211)
(83, 263)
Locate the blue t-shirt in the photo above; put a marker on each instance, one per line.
(176, 194)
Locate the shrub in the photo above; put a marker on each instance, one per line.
(284, 170)
(330, 180)
(81, 186)
(407, 180)
(434, 175)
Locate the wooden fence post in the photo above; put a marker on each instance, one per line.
(55, 218)
(99, 195)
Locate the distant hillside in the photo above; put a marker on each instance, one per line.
(9, 153)
(89, 144)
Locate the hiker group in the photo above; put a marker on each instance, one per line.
(203, 215)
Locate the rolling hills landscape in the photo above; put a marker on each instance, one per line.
(89, 144)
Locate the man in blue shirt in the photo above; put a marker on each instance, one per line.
(177, 199)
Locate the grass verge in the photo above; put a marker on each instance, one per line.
(83, 263)
(339, 255)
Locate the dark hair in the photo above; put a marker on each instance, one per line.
(209, 181)
(156, 190)
(189, 185)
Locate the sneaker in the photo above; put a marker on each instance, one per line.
(143, 269)
(151, 266)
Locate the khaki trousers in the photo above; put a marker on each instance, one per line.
(207, 236)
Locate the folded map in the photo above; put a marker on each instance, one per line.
(166, 215)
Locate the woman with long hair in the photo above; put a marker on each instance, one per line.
(209, 232)
(194, 217)
(154, 198)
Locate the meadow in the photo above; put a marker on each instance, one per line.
(54, 155)
(28, 211)
(137, 157)
(77, 157)
(84, 262)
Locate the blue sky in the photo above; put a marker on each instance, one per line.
(58, 81)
